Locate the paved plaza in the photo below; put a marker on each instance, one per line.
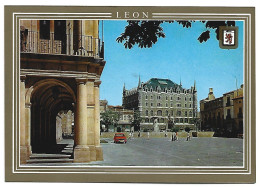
(164, 152)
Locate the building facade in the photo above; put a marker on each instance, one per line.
(160, 101)
(224, 115)
(125, 118)
(61, 62)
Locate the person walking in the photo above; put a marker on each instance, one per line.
(139, 134)
(148, 135)
(188, 136)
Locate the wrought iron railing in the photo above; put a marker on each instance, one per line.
(74, 45)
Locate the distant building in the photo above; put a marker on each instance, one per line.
(161, 100)
(125, 118)
(224, 114)
(103, 105)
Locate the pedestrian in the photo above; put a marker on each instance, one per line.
(173, 137)
(130, 134)
(188, 136)
(139, 134)
(148, 134)
(177, 136)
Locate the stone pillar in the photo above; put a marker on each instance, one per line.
(99, 151)
(23, 127)
(81, 150)
(91, 119)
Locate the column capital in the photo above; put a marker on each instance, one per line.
(81, 80)
(22, 78)
(91, 79)
(97, 83)
(28, 105)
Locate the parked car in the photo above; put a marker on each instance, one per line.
(120, 138)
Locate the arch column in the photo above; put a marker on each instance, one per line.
(99, 151)
(81, 150)
(91, 118)
(25, 148)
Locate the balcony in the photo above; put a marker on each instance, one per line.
(75, 45)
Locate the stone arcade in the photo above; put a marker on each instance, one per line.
(60, 68)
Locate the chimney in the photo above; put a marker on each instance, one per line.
(210, 90)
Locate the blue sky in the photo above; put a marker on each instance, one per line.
(177, 56)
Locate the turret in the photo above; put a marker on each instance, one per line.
(139, 82)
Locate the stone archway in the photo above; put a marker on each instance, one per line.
(40, 104)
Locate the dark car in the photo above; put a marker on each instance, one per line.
(120, 138)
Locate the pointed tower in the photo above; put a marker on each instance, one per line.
(180, 82)
(139, 82)
(195, 88)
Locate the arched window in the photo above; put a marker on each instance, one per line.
(159, 113)
(146, 120)
(190, 114)
(146, 113)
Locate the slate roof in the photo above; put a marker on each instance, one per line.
(163, 83)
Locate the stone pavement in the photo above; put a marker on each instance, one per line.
(164, 152)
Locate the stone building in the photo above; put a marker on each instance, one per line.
(224, 114)
(61, 62)
(103, 106)
(125, 118)
(160, 101)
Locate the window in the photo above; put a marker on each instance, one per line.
(159, 113)
(172, 113)
(151, 113)
(146, 104)
(190, 105)
(45, 29)
(171, 105)
(186, 120)
(146, 113)
(190, 98)
(190, 114)
(151, 104)
(166, 104)
(151, 97)
(146, 97)
(179, 98)
(166, 113)
(185, 99)
(185, 105)
(59, 29)
(186, 113)
(166, 98)
(179, 113)
(146, 120)
(171, 98)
